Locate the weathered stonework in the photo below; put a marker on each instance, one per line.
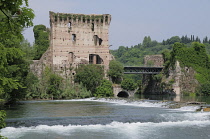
(184, 79)
(76, 39)
(178, 81)
(150, 86)
(153, 60)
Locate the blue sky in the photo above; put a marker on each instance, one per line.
(134, 19)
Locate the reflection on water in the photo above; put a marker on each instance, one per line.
(57, 109)
(177, 98)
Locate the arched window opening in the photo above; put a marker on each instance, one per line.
(71, 57)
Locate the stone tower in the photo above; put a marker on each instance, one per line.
(77, 39)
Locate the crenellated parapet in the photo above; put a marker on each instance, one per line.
(82, 18)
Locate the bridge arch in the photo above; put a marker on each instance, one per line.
(123, 94)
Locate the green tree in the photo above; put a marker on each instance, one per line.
(105, 89)
(205, 40)
(115, 71)
(128, 84)
(121, 50)
(71, 91)
(173, 39)
(13, 68)
(147, 41)
(90, 76)
(32, 85)
(50, 85)
(27, 49)
(166, 57)
(205, 88)
(196, 58)
(41, 35)
(197, 39)
(2, 122)
(54, 85)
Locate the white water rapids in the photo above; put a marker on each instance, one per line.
(162, 122)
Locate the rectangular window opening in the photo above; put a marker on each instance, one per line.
(74, 37)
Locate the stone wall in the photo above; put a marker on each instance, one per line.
(116, 89)
(184, 79)
(38, 66)
(153, 60)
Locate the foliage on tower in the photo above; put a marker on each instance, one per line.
(41, 35)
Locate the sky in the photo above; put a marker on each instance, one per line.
(132, 20)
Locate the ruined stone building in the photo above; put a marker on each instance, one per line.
(153, 60)
(76, 39)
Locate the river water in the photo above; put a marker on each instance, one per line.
(105, 119)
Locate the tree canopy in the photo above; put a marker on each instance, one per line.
(13, 68)
(105, 89)
(128, 84)
(41, 35)
(115, 71)
(90, 76)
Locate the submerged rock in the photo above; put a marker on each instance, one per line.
(204, 109)
(177, 105)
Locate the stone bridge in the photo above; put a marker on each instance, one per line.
(119, 92)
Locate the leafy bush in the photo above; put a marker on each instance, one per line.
(105, 89)
(205, 89)
(2, 122)
(75, 91)
(195, 57)
(128, 84)
(115, 71)
(90, 76)
(53, 86)
(42, 42)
